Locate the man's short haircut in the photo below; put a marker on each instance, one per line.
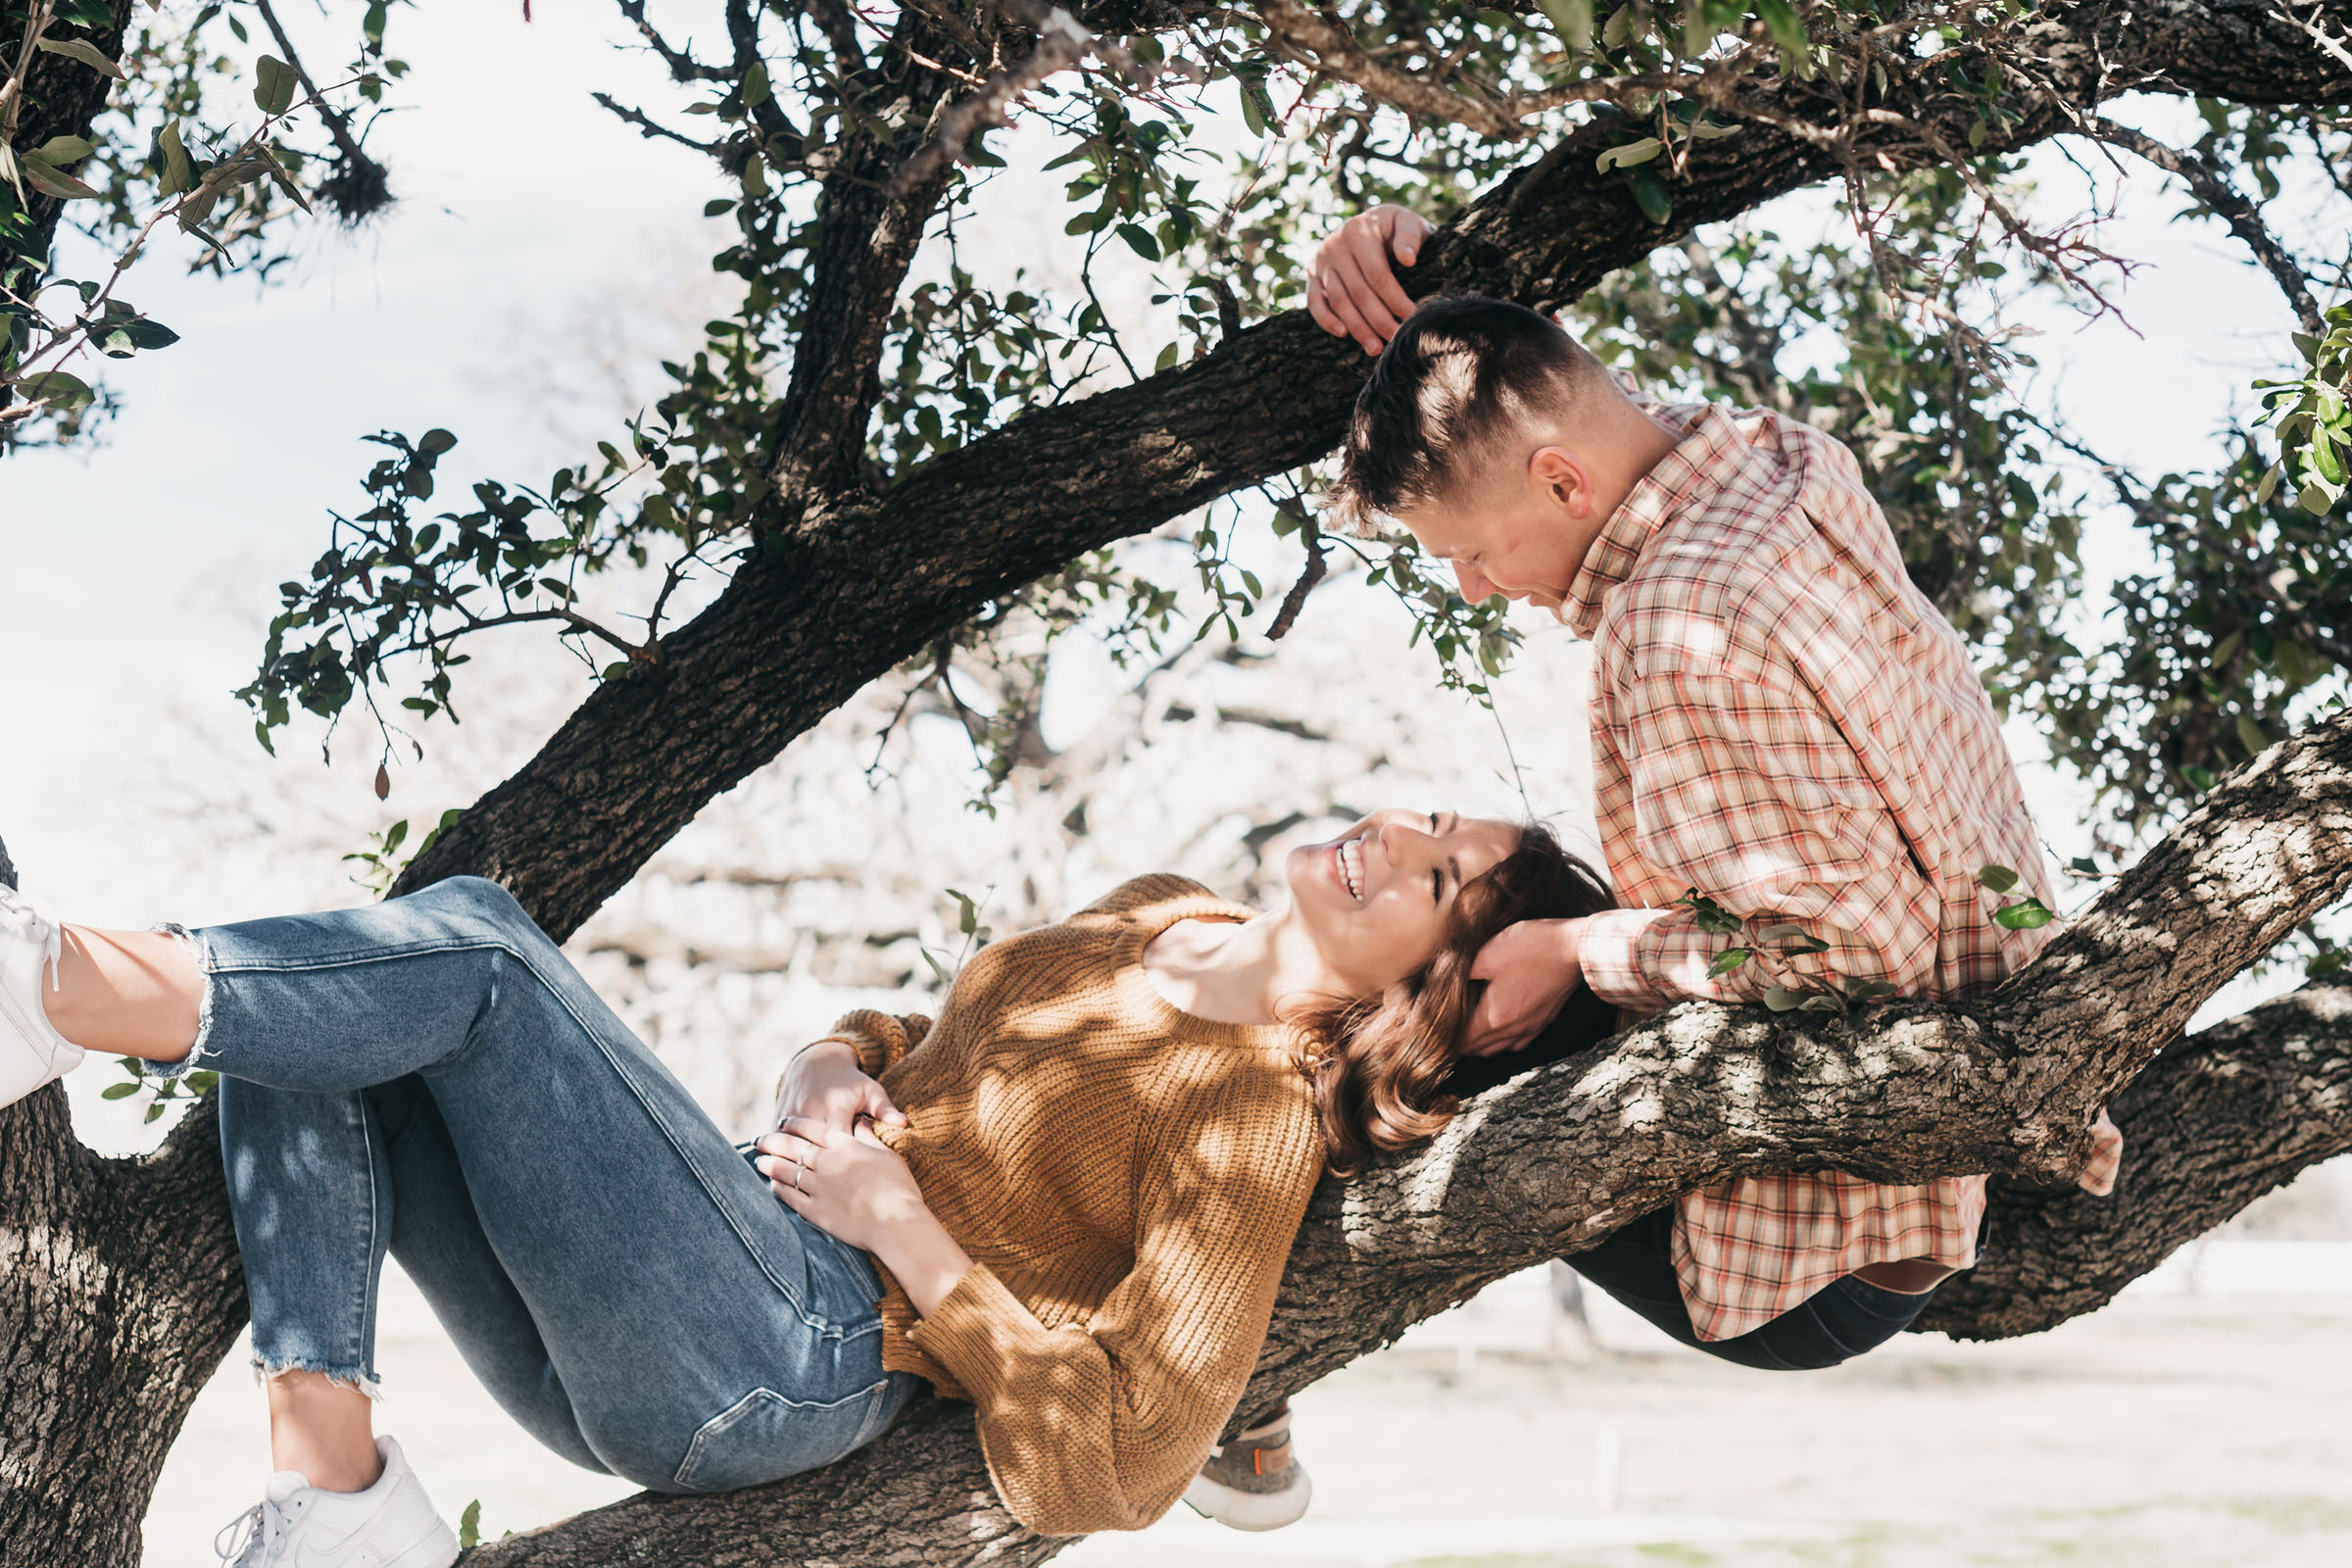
(1460, 375)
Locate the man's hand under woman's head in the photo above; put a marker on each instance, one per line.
(1530, 968)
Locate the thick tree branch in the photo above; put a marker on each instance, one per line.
(2216, 1121)
(872, 225)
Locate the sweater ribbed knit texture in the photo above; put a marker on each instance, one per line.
(1127, 1179)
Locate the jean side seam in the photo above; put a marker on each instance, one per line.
(380, 953)
(368, 1270)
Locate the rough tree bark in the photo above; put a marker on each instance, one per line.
(119, 1289)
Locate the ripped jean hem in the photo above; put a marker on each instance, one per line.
(265, 1367)
(201, 1049)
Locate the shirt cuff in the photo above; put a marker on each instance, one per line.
(977, 1332)
(1609, 953)
(2106, 1158)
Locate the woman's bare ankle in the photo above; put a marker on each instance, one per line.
(325, 1429)
(128, 992)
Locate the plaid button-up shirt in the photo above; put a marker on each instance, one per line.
(1781, 721)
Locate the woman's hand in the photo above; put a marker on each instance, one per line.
(851, 1187)
(1352, 290)
(844, 1183)
(825, 1084)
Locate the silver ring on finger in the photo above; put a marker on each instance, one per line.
(798, 1171)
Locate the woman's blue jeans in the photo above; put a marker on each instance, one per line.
(432, 1077)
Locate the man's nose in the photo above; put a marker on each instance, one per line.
(1476, 586)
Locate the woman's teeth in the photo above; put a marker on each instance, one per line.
(1352, 866)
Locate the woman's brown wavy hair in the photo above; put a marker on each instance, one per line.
(1379, 1064)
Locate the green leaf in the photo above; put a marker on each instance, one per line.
(274, 85)
(118, 1091)
(1996, 878)
(1652, 197)
(434, 442)
(1139, 241)
(52, 181)
(1822, 1002)
(178, 173)
(1780, 998)
(56, 388)
(469, 1525)
(2029, 914)
(59, 151)
(2198, 778)
(756, 90)
(2251, 737)
(1782, 21)
(2084, 865)
(84, 50)
(1728, 960)
(1862, 991)
(1782, 932)
(1626, 155)
(141, 334)
(1573, 20)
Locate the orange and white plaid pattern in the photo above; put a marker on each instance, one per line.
(1781, 721)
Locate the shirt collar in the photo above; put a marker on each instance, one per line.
(1709, 453)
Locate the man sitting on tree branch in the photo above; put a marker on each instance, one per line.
(1800, 785)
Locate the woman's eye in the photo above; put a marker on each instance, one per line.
(1437, 887)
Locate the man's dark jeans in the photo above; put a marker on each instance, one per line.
(1636, 1264)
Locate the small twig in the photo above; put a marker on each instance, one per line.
(650, 128)
(1061, 42)
(683, 66)
(12, 92)
(363, 185)
(2241, 215)
(1295, 600)
(2312, 31)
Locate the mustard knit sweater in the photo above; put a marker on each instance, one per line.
(1127, 1178)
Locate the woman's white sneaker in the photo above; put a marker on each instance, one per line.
(31, 1052)
(390, 1524)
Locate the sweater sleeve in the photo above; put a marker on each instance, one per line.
(880, 1039)
(1102, 1426)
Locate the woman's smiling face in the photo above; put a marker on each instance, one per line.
(1376, 899)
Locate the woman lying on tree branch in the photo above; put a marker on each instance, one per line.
(1069, 1200)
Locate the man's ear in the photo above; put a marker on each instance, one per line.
(1566, 475)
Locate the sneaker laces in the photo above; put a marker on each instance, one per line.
(47, 928)
(260, 1526)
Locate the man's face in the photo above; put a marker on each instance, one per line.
(1523, 540)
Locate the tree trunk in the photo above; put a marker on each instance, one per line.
(120, 1293)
